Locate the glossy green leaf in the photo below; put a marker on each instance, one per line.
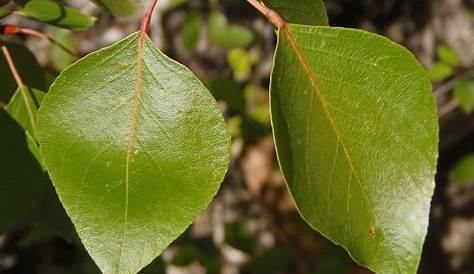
(464, 94)
(28, 68)
(118, 7)
(463, 172)
(355, 127)
(57, 15)
(22, 177)
(223, 34)
(305, 12)
(136, 148)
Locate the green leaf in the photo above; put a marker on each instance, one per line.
(448, 56)
(23, 108)
(136, 148)
(29, 69)
(4, 11)
(356, 132)
(305, 12)
(275, 260)
(241, 62)
(225, 35)
(463, 172)
(50, 215)
(22, 177)
(186, 255)
(118, 7)
(464, 94)
(440, 71)
(190, 31)
(59, 57)
(226, 89)
(58, 15)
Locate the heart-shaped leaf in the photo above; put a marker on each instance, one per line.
(57, 15)
(355, 127)
(306, 12)
(136, 148)
(22, 177)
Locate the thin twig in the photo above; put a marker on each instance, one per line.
(447, 108)
(50, 39)
(449, 85)
(271, 15)
(13, 68)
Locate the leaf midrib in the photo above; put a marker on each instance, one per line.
(315, 87)
(131, 136)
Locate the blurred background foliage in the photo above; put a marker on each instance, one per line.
(252, 226)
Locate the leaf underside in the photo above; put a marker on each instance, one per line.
(136, 148)
(355, 127)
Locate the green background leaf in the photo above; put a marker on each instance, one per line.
(358, 145)
(448, 56)
(464, 94)
(223, 34)
(118, 7)
(305, 12)
(50, 215)
(60, 58)
(135, 155)
(18, 108)
(189, 32)
(440, 71)
(463, 172)
(22, 177)
(57, 15)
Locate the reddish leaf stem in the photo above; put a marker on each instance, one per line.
(147, 19)
(14, 30)
(271, 15)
